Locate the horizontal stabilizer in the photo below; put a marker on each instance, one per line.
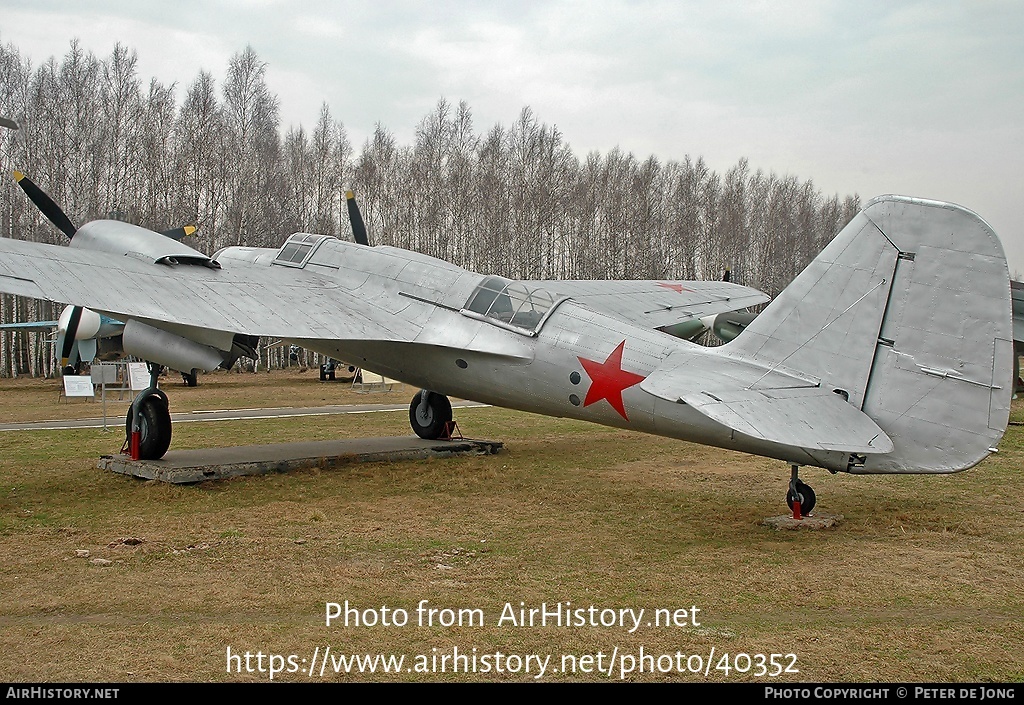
(804, 417)
(770, 405)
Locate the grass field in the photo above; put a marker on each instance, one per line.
(921, 581)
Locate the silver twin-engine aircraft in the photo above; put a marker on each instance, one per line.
(890, 353)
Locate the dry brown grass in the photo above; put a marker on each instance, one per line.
(922, 581)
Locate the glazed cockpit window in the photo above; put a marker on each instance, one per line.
(510, 302)
(297, 250)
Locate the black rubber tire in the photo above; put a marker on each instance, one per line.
(428, 420)
(154, 428)
(323, 374)
(809, 500)
(191, 379)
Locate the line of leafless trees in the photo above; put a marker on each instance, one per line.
(514, 200)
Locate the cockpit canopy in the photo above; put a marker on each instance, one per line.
(511, 303)
(297, 250)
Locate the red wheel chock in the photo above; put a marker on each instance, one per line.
(452, 432)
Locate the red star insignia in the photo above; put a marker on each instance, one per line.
(608, 380)
(678, 288)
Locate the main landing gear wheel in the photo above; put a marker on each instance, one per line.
(807, 498)
(154, 427)
(429, 413)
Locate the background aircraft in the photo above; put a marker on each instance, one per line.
(876, 359)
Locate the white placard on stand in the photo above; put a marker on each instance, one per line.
(138, 372)
(78, 386)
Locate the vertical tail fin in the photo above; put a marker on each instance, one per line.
(907, 311)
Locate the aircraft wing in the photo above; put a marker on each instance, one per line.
(291, 303)
(250, 300)
(771, 405)
(658, 304)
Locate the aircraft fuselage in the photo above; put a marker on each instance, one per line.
(579, 364)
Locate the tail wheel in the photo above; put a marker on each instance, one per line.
(191, 378)
(429, 413)
(807, 500)
(154, 428)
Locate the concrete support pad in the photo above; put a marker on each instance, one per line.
(189, 466)
(814, 522)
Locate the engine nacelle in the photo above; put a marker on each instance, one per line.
(170, 350)
(729, 325)
(126, 239)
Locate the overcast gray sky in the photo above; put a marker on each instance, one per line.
(872, 97)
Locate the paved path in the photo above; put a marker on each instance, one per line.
(225, 415)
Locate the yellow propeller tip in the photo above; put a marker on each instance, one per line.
(18, 176)
(349, 195)
(189, 229)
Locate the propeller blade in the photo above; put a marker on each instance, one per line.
(58, 343)
(178, 233)
(727, 276)
(46, 205)
(7, 122)
(69, 335)
(358, 226)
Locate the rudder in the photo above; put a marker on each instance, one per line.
(906, 312)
